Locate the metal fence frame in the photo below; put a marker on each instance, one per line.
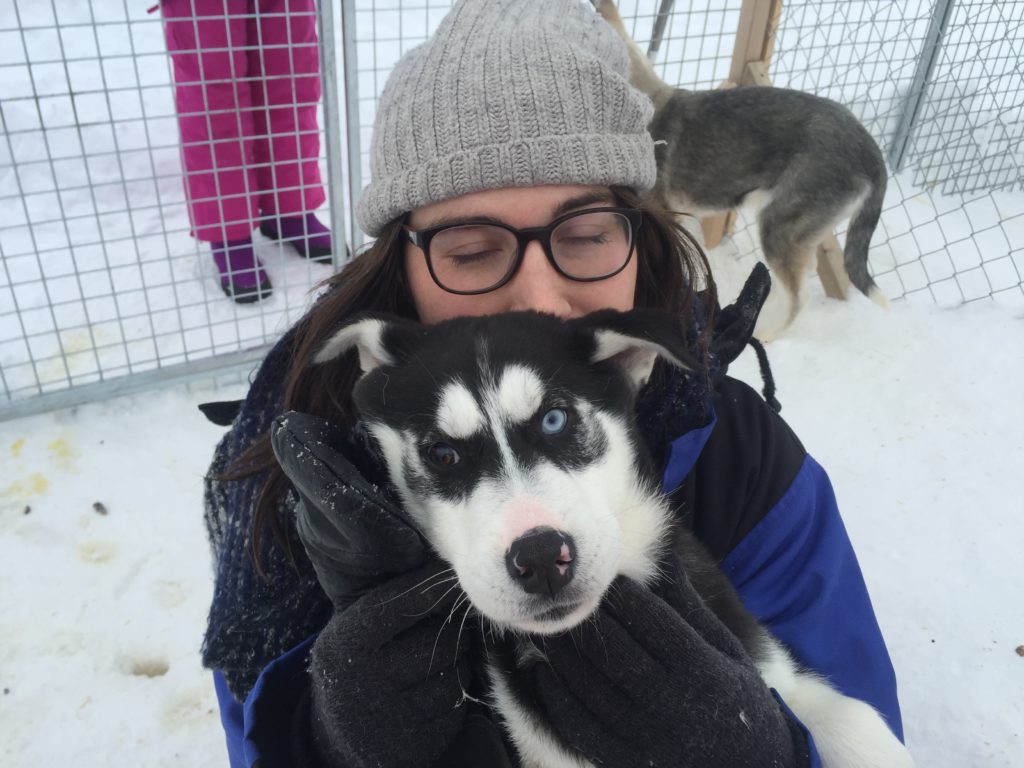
(67, 335)
(691, 44)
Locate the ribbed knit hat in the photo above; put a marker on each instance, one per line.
(507, 93)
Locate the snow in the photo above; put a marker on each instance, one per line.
(103, 614)
(915, 412)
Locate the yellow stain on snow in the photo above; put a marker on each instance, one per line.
(34, 485)
(31, 485)
(60, 448)
(62, 454)
(97, 551)
(75, 354)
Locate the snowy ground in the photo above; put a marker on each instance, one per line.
(915, 412)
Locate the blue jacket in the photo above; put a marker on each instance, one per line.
(763, 507)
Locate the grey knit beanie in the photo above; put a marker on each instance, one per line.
(507, 93)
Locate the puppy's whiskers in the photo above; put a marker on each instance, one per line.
(439, 575)
(440, 599)
(433, 651)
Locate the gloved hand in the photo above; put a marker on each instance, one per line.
(388, 670)
(734, 324)
(646, 683)
(734, 330)
(388, 674)
(355, 533)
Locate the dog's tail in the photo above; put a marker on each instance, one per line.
(641, 73)
(858, 239)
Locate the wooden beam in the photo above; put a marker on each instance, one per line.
(715, 228)
(831, 270)
(756, 73)
(755, 35)
(774, 14)
(718, 227)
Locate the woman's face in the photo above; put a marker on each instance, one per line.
(536, 285)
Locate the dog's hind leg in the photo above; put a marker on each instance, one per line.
(784, 300)
(789, 239)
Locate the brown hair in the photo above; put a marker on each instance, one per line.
(672, 268)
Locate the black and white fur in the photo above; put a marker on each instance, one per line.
(805, 161)
(484, 390)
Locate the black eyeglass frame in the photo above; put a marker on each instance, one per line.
(421, 239)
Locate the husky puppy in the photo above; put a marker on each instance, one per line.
(521, 465)
(805, 159)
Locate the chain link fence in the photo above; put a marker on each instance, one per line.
(940, 87)
(103, 288)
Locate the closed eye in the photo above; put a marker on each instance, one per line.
(586, 240)
(465, 259)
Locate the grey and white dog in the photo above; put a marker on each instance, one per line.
(805, 160)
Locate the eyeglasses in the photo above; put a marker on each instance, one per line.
(588, 245)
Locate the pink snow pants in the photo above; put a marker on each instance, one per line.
(247, 86)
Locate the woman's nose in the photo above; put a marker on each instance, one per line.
(537, 285)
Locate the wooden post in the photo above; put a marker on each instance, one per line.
(755, 40)
(756, 73)
(755, 35)
(831, 270)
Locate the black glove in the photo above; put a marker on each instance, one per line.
(734, 325)
(355, 533)
(389, 670)
(734, 329)
(388, 674)
(640, 685)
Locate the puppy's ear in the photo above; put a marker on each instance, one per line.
(379, 340)
(634, 341)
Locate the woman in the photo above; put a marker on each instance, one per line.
(514, 116)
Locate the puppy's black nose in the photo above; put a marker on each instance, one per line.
(541, 561)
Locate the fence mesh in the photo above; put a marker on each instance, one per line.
(101, 276)
(951, 226)
(102, 281)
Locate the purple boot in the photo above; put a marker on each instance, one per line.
(304, 233)
(242, 276)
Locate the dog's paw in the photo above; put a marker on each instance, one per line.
(847, 732)
(855, 736)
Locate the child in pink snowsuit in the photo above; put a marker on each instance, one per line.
(247, 78)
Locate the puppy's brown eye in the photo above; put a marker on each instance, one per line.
(443, 456)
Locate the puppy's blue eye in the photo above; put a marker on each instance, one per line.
(553, 421)
(443, 455)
